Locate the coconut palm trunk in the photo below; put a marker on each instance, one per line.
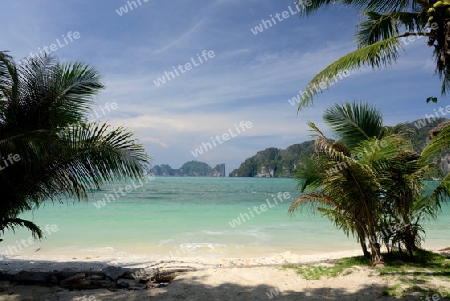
(445, 55)
(362, 242)
(375, 249)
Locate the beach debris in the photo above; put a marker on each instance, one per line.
(91, 276)
(166, 276)
(113, 272)
(142, 275)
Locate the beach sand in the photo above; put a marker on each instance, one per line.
(212, 279)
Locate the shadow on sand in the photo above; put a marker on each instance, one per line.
(188, 287)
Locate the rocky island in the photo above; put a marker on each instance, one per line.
(189, 169)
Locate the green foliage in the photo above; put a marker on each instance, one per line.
(418, 131)
(395, 290)
(381, 26)
(414, 275)
(194, 168)
(43, 109)
(369, 180)
(433, 99)
(438, 145)
(384, 24)
(406, 278)
(341, 267)
(316, 272)
(380, 6)
(247, 169)
(281, 162)
(284, 162)
(354, 123)
(379, 54)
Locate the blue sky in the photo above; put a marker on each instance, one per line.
(250, 78)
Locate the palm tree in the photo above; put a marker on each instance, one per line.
(43, 123)
(368, 180)
(378, 37)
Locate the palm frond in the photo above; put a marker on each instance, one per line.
(371, 153)
(8, 81)
(43, 107)
(354, 122)
(76, 84)
(379, 54)
(379, 27)
(429, 204)
(315, 129)
(313, 199)
(12, 223)
(380, 6)
(310, 173)
(52, 91)
(384, 6)
(439, 145)
(95, 155)
(332, 150)
(340, 147)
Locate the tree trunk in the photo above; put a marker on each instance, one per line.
(442, 35)
(446, 51)
(362, 241)
(375, 251)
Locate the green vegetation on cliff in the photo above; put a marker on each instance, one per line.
(274, 162)
(420, 128)
(280, 163)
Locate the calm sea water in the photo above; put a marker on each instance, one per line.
(192, 217)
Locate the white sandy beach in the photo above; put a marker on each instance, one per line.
(208, 279)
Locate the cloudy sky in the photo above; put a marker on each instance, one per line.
(247, 77)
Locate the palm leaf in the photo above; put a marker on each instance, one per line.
(386, 5)
(95, 155)
(430, 204)
(48, 90)
(372, 151)
(77, 84)
(379, 27)
(354, 123)
(8, 81)
(439, 145)
(381, 53)
(381, 6)
(312, 199)
(310, 173)
(316, 131)
(11, 223)
(43, 105)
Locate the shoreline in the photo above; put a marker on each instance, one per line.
(203, 253)
(142, 260)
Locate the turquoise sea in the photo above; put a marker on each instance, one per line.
(191, 217)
